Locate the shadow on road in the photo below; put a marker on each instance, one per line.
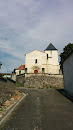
(63, 92)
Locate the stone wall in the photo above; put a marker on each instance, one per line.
(7, 89)
(41, 81)
(20, 79)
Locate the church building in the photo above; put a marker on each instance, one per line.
(42, 62)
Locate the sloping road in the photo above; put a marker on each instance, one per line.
(42, 110)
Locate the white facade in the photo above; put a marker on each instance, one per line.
(13, 76)
(68, 74)
(42, 62)
(18, 72)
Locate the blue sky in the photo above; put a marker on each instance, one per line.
(26, 25)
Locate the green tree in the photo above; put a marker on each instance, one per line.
(66, 50)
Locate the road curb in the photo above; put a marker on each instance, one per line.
(9, 112)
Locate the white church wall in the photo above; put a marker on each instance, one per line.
(55, 69)
(52, 62)
(55, 57)
(49, 65)
(30, 61)
(52, 57)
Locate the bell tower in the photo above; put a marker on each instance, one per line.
(52, 54)
(52, 59)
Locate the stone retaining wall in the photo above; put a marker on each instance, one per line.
(7, 89)
(41, 81)
(20, 79)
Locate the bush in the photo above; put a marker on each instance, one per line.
(18, 84)
(1, 75)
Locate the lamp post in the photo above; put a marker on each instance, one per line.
(0, 65)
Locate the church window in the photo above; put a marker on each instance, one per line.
(47, 56)
(43, 70)
(25, 70)
(35, 61)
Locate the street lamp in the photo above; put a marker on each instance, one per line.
(0, 65)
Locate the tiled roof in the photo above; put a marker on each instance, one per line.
(21, 67)
(50, 47)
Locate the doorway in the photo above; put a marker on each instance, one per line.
(35, 71)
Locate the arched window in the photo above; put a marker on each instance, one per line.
(35, 61)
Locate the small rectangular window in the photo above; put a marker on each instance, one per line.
(25, 70)
(43, 70)
(35, 61)
(47, 56)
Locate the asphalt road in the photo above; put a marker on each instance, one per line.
(42, 110)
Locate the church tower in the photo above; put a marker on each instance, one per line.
(52, 59)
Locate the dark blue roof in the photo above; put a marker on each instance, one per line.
(50, 47)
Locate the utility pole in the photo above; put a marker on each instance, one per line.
(0, 65)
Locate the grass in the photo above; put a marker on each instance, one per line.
(31, 87)
(18, 84)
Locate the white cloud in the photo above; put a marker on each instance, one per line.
(26, 25)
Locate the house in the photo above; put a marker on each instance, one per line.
(18, 71)
(13, 76)
(42, 62)
(68, 73)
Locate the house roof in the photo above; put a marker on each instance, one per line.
(21, 67)
(50, 47)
